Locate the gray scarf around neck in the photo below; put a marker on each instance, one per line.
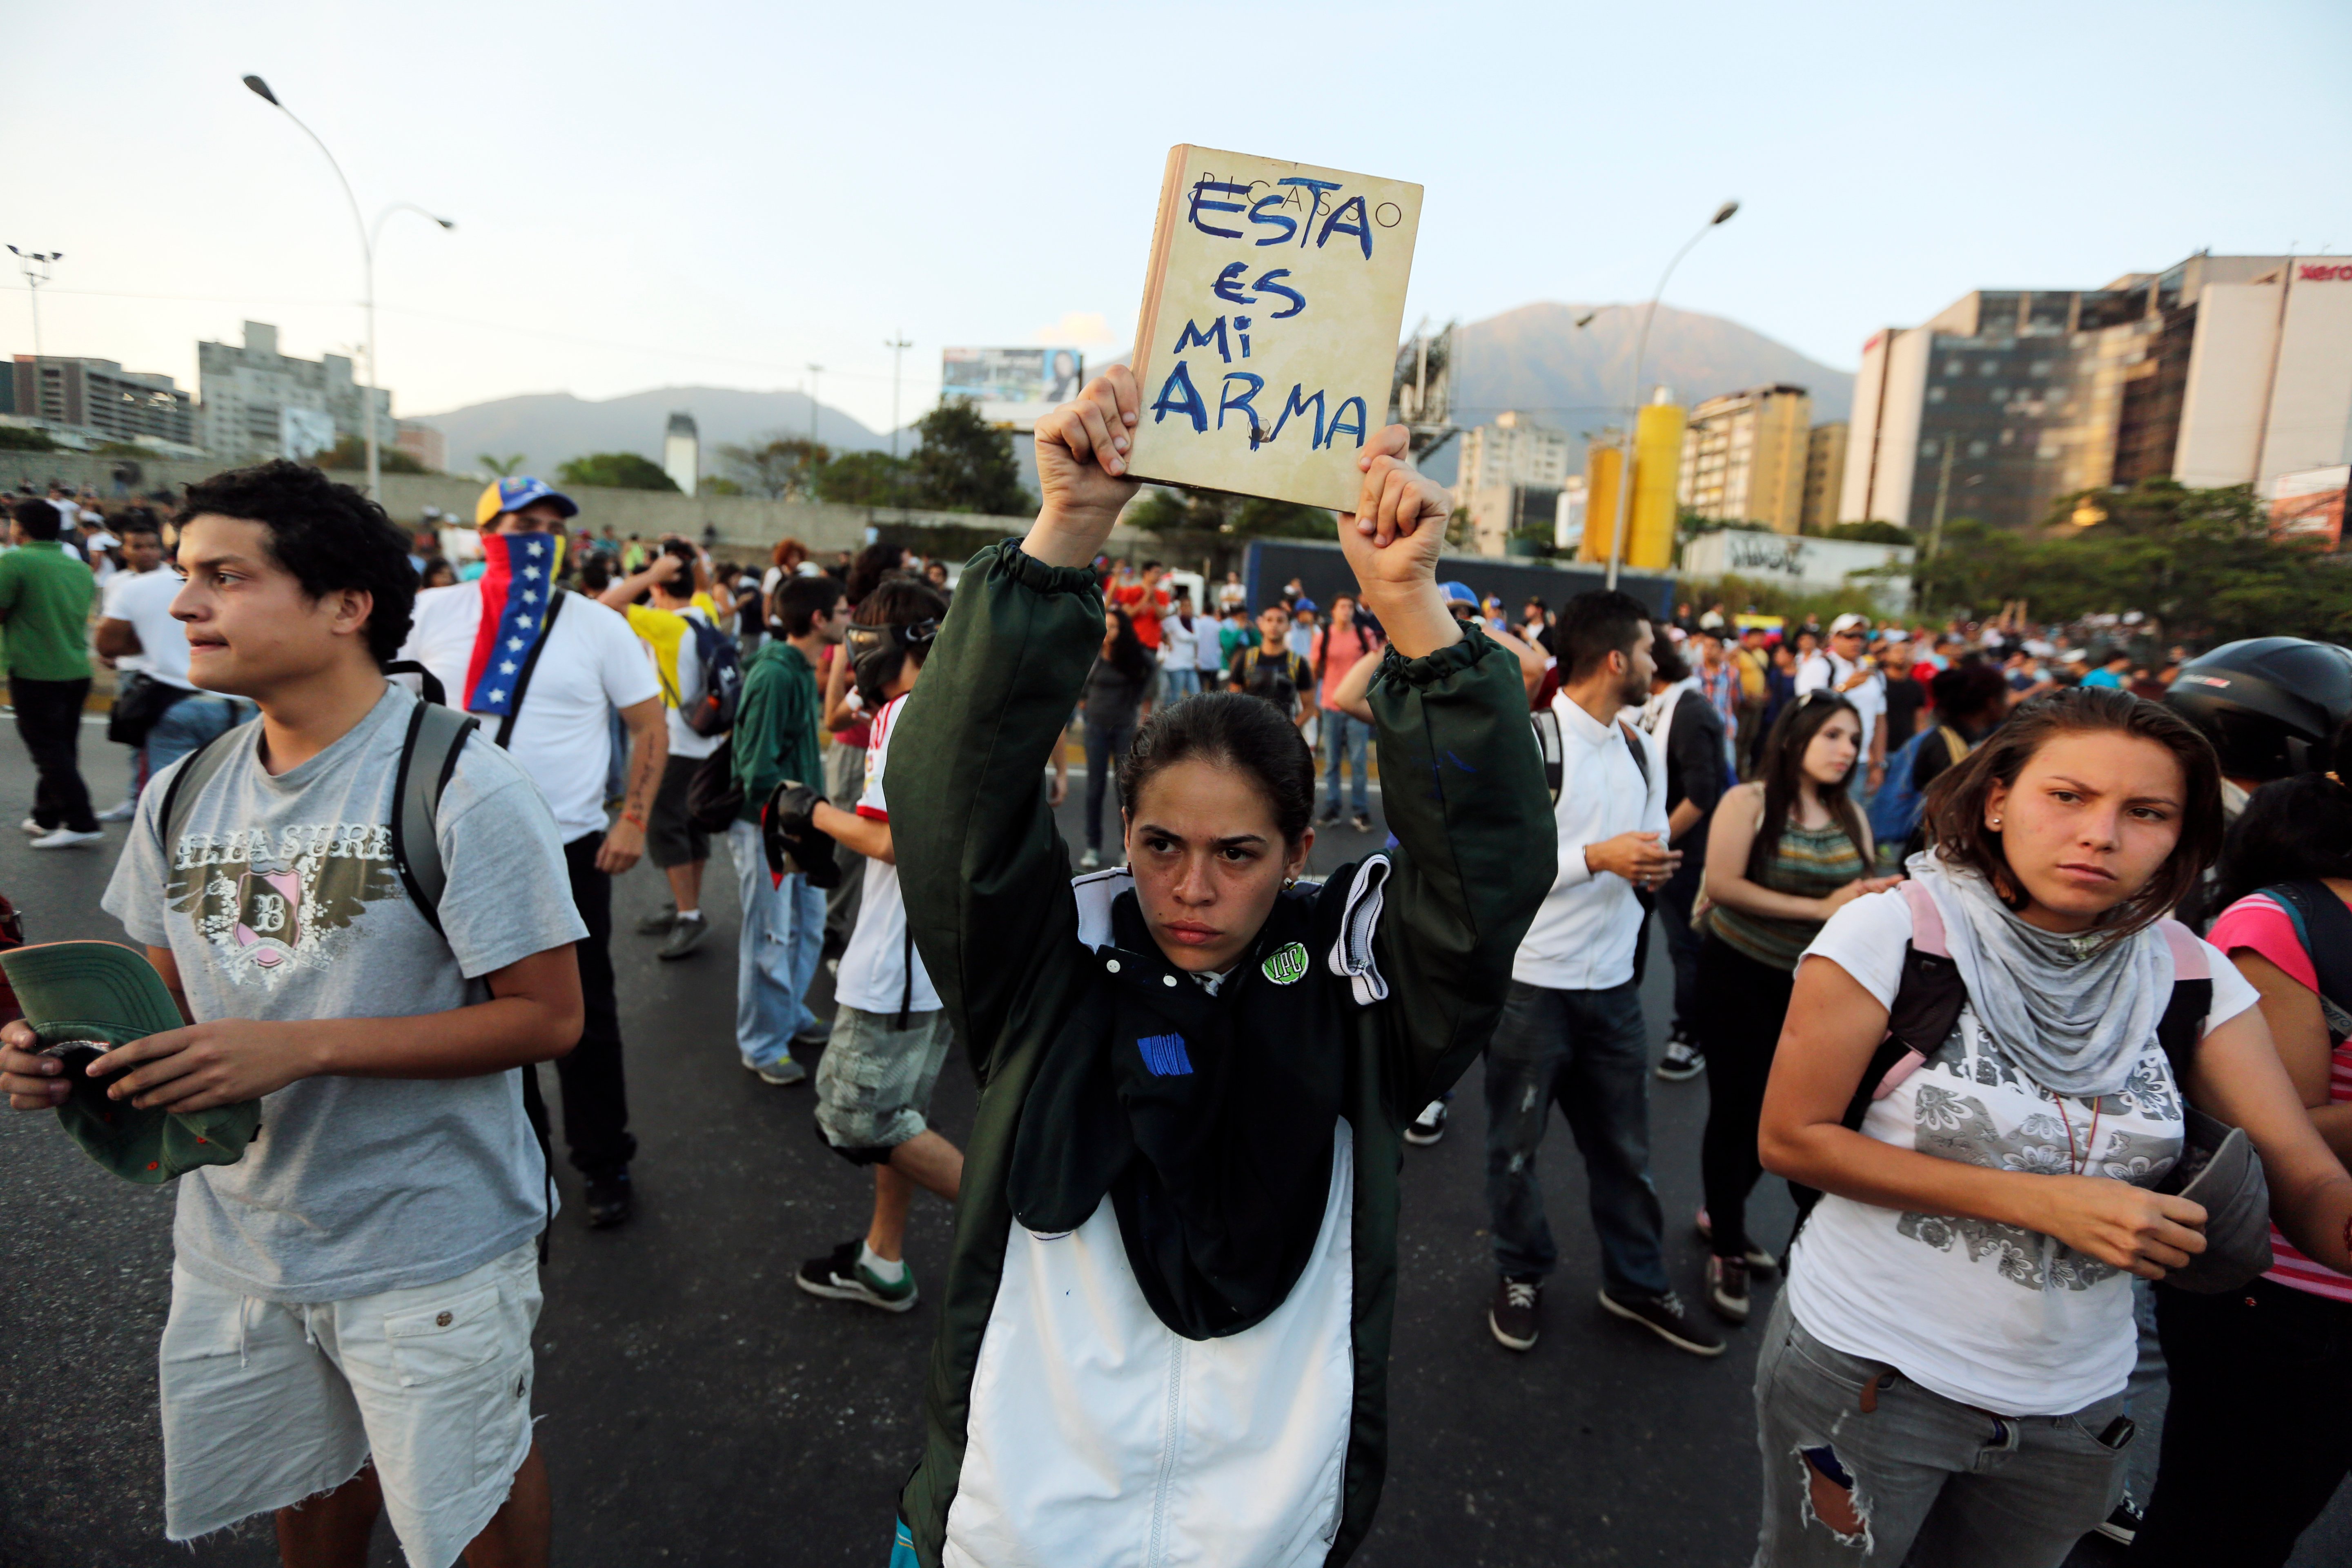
(2073, 1012)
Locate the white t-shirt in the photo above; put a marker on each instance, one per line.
(1995, 1316)
(873, 976)
(1825, 671)
(144, 599)
(592, 663)
(1179, 643)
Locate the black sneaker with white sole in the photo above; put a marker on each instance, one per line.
(1428, 1127)
(841, 1276)
(1726, 1289)
(1665, 1316)
(1682, 1061)
(1758, 1261)
(2122, 1525)
(1514, 1317)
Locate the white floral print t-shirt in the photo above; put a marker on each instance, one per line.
(1992, 1315)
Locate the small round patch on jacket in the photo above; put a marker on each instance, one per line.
(1287, 964)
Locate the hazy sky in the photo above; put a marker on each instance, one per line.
(696, 192)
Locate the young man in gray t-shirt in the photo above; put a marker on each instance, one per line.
(352, 1298)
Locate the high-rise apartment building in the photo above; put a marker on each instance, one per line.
(1511, 476)
(2222, 370)
(96, 400)
(425, 444)
(246, 389)
(1744, 457)
(1824, 476)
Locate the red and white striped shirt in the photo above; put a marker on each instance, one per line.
(2258, 924)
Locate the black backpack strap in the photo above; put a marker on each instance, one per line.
(1555, 765)
(2183, 1023)
(1641, 752)
(429, 685)
(428, 757)
(529, 663)
(188, 782)
(2325, 927)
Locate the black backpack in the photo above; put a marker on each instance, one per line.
(1929, 997)
(721, 665)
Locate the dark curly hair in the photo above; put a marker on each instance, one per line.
(1232, 730)
(327, 535)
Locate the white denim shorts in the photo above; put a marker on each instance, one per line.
(268, 1403)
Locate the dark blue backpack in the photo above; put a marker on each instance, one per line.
(713, 713)
(1895, 809)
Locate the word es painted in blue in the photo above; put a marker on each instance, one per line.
(1229, 286)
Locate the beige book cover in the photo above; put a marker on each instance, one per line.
(1270, 325)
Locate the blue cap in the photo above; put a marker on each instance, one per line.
(1306, 604)
(515, 493)
(1457, 594)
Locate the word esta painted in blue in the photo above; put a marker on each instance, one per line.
(1346, 217)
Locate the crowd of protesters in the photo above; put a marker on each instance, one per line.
(2057, 1156)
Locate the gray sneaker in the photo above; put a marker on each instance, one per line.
(783, 1072)
(685, 936)
(658, 922)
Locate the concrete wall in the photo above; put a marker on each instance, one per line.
(1810, 566)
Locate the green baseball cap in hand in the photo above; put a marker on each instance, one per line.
(83, 998)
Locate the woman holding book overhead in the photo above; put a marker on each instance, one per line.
(1169, 1304)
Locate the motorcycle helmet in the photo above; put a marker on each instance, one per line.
(2268, 704)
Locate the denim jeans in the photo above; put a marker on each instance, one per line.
(776, 953)
(1933, 1483)
(1675, 899)
(1587, 1052)
(188, 723)
(1105, 748)
(1344, 740)
(1177, 684)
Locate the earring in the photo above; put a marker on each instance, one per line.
(1996, 824)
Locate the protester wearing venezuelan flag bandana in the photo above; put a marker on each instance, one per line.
(546, 671)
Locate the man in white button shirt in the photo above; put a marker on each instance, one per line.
(1844, 667)
(1572, 1032)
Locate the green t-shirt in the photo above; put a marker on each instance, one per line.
(45, 595)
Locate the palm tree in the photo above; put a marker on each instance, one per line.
(502, 468)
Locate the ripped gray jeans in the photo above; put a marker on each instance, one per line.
(1861, 1465)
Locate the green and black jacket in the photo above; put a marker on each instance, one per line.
(987, 884)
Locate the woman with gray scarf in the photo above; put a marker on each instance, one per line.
(1947, 1365)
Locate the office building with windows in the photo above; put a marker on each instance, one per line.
(1511, 477)
(2223, 369)
(1744, 457)
(89, 402)
(1824, 476)
(246, 390)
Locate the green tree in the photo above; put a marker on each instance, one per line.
(616, 470)
(778, 467)
(25, 438)
(867, 478)
(1169, 513)
(504, 468)
(349, 456)
(964, 464)
(1871, 533)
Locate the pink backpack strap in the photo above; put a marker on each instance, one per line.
(1927, 920)
(2189, 959)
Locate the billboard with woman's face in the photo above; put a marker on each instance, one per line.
(1012, 386)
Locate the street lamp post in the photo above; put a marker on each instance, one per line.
(1633, 394)
(368, 237)
(35, 265)
(897, 347)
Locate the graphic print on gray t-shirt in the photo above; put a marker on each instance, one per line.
(281, 901)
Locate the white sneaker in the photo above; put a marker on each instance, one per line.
(123, 813)
(1428, 1127)
(35, 828)
(66, 838)
(1090, 860)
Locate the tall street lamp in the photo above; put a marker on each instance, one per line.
(368, 238)
(35, 265)
(1633, 392)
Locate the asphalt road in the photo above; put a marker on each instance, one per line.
(695, 1408)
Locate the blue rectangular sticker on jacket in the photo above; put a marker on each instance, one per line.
(1164, 1056)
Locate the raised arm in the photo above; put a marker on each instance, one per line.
(985, 874)
(1463, 790)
